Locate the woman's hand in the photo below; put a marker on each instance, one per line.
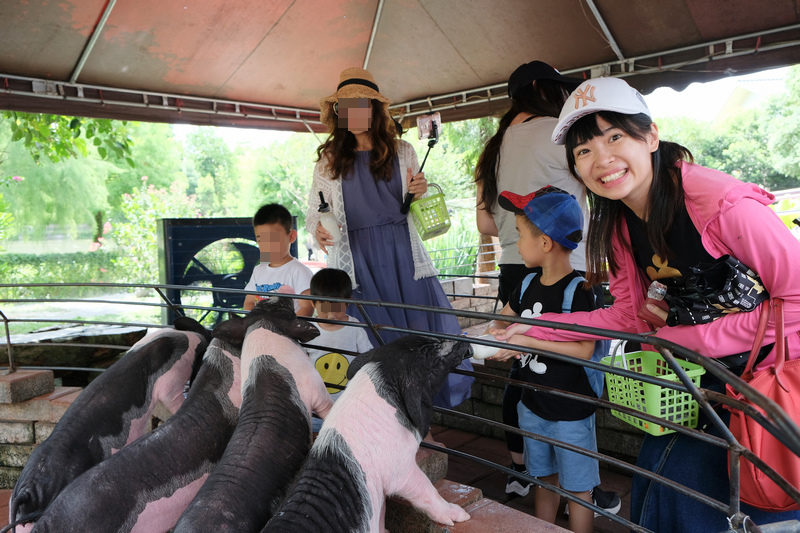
(513, 329)
(657, 311)
(323, 237)
(417, 185)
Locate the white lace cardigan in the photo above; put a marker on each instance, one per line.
(340, 255)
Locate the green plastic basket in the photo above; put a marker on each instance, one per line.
(670, 404)
(430, 214)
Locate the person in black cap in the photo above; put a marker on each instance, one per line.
(521, 158)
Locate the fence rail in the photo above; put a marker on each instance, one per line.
(773, 418)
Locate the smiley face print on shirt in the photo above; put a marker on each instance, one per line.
(333, 369)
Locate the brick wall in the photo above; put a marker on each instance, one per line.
(478, 296)
(30, 407)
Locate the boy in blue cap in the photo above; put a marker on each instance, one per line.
(549, 223)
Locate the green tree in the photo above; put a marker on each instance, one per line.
(68, 192)
(738, 146)
(135, 238)
(280, 173)
(748, 156)
(157, 155)
(451, 162)
(6, 218)
(209, 157)
(470, 137)
(61, 182)
(781, 124)
(59, 137)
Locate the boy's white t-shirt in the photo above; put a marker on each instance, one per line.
(331, 364)
(293, 275)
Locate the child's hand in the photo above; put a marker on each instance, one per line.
(495, 330)
(323, 237)
(507, 353)
(417, 185)
(513, 329)
(504, 355)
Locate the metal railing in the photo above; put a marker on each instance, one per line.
(772, 417)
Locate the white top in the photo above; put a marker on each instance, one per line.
(331, 364)
(292, 275)
(529, 161)
(339, 255)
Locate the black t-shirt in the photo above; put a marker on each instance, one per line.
(683, 240)
(687, 247)
(541, 370)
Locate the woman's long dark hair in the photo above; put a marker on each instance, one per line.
(607, 216)
(340, 147)
(545, 100)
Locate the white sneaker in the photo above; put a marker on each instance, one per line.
(607, 500)
(517, 486)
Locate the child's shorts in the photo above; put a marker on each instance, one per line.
(576, 472)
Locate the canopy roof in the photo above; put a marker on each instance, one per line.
(267, 63)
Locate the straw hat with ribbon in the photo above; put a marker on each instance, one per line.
(353, 83)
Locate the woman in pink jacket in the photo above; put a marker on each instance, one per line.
(654, 215)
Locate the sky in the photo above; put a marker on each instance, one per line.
(702, 101)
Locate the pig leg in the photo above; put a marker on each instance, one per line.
(167, 510)
(111, 412)
(382, 522)
(420, 492)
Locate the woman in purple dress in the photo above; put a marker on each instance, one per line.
(363, 171)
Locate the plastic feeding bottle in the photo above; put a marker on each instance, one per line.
(482, 351)
(327, 219)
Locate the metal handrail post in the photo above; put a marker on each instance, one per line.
(11, 367)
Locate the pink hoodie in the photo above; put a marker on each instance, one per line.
(733, 218)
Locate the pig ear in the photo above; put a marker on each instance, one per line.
(418, 409)
(232, 330)
(184, 323)
(302, 330)
(418, 400)
(358, 362)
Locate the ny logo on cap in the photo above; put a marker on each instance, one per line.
(586, 95)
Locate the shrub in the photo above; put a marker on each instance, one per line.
(80, 267)
(136, 238)
(455, 252)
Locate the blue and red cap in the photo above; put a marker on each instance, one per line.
(554, 211)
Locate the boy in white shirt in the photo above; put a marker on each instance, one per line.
(329, 362)
(272, 224)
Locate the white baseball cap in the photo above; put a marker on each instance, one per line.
(598, 94)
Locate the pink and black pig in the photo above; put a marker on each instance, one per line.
(110, 413)
(146, 486)
(273, 436)
(366, 449)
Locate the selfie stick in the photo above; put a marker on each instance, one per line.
(431, 141)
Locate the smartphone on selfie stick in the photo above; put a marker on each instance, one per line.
(428, 127)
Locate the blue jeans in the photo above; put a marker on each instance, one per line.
(576, 472)
(694, 464)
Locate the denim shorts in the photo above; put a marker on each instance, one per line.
(576, 472)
